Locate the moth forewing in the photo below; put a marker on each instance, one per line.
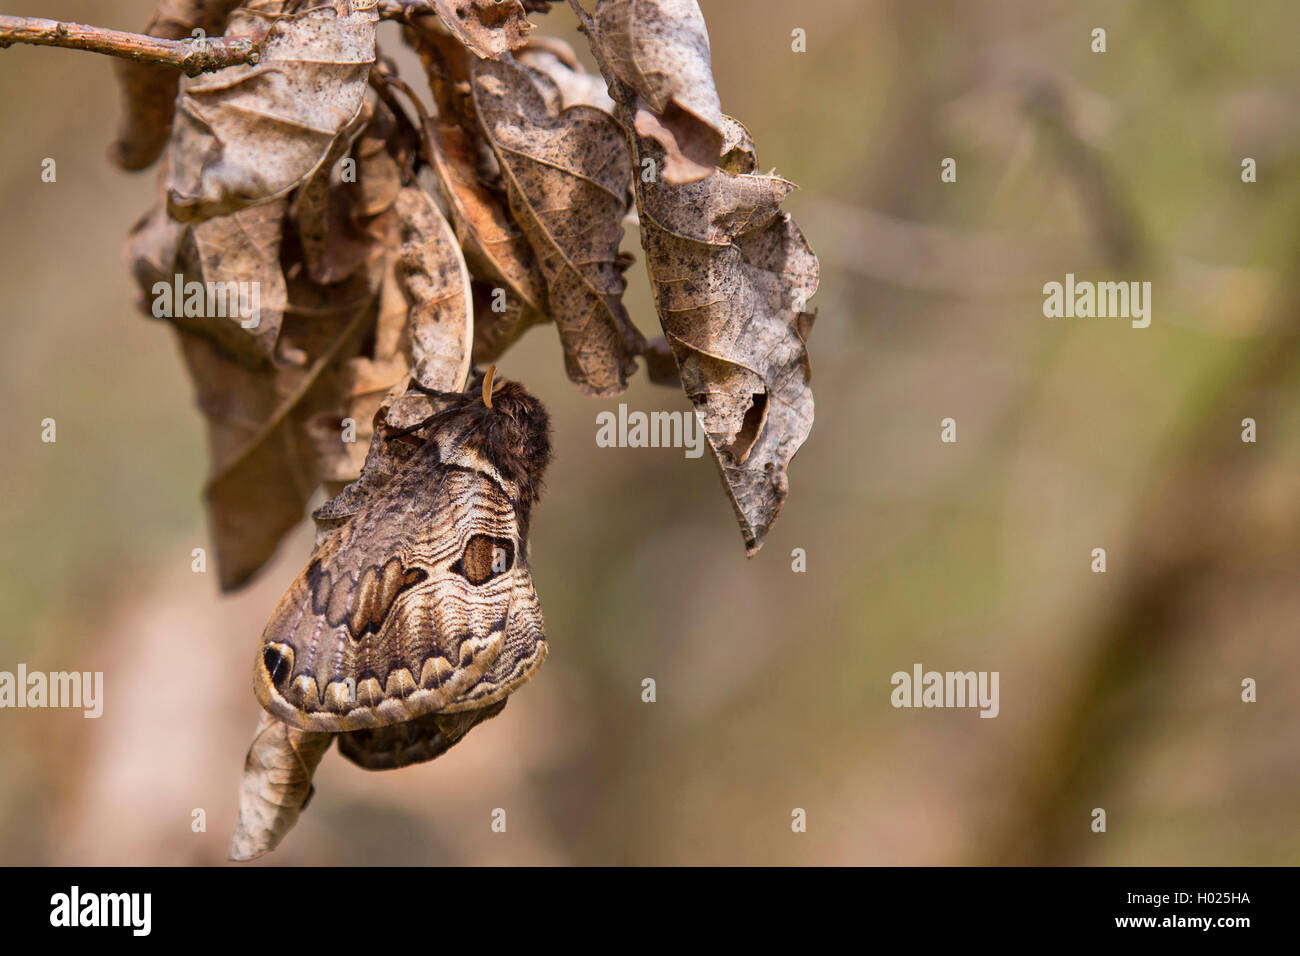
(421, 603)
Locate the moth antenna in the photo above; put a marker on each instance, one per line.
(487, 385)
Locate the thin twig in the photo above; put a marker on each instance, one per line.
(191, 56)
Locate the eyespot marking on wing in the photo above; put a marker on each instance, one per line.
(484, 558)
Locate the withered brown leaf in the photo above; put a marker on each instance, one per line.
(265, 461)
(149, 92)
(566, 172)
(238, 252)
(276, 785)
(494, 246)
(555, 58)
(246, 134)
(660, 48)
(511, 293)
(235, 258)
(732, 275)
(489, 28)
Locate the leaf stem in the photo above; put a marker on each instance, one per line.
(190, 56)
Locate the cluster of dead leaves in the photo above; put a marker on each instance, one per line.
(385, 242)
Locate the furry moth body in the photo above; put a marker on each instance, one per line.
(417, 618)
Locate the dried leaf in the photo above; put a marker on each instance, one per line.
(276, 785)
(556, 59)
(239, 254)
(364, 381)
(490, 28)
(220, 279)
(566, 172)
(265, 463)
(660, 48)
(246, 134)
(500, 318)
(732, 275)
(495, 248)
(334, 238)
(431, 272)
(509, 290)
(149, 92)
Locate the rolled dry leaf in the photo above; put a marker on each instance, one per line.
(276, 785)
(660, 48)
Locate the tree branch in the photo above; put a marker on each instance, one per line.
(191, 56)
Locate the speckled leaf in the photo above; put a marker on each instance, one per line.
(490, 28)
(732, 276)
(566, 172)
(495, 247)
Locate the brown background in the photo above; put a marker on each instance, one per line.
(1118, 690)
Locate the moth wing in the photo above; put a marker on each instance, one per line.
(412, 742)
(421, 604)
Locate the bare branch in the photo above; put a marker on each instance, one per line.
(191, 56)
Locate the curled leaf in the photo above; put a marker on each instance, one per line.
(566, 173)
(149, 92)
(431, 272)
(265, 461)
(495, 247)
(220, 279)
(237, 256)
(246, 134)
(276, 785)
(556, 59)
(732, 275)
(660, 48)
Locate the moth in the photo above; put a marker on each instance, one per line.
(417, 618)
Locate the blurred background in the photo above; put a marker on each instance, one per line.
(1119, 690)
